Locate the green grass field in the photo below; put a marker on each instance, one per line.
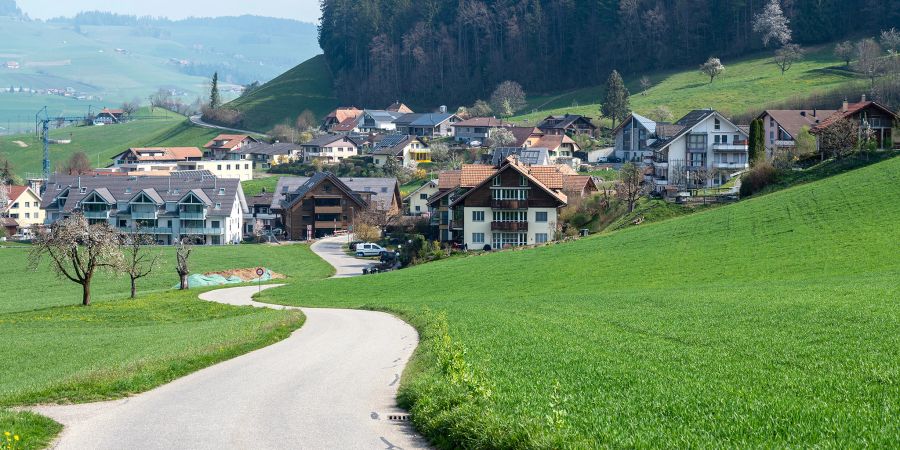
(307, 86)
(157, 129)
(773, 322)
(748, 83)
(58, 352)
(256, 185)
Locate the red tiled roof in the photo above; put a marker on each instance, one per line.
(342, 114)
(347, 124)
(232, 141)
(449, 179)
(15, 192)
(474, 174)
(548, 175)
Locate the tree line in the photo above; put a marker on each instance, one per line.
(458, 51)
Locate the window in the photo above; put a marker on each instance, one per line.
(540, 238)
(215, 224)
(724, 138)
(27, 215)
(510, 194)
(15, 205)
(477, 216)
(418, 208)
(497, 181)
(218, 206)
(218, 167)
(501, 240)
(736, 138)
(716, 139)
(423, 196)
(696, 142)
(27, 204)
(123, 223)
(478, 238)
(718, 124)
(540, 216)
(221, 191)
(228, 167)
(247, 166)
(523, 180)
(510, 216)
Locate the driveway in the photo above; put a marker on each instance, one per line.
(330, 250)
(331, 384)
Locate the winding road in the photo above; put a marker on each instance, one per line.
(330, 385)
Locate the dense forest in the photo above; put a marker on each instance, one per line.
(453, 51)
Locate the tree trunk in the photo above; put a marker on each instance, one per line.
(86, 293)
(133, 287)
(184, 282)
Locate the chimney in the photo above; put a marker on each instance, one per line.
(863, 98)
(844, 107)
(443, 109)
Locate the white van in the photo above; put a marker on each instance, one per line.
(369, 249)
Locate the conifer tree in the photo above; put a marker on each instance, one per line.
(214, 100)
(616, 105)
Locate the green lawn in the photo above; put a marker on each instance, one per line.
(58, 352)
(159, 128)
(773, 322)
(307, 86)
(748, 83)
(256, 186)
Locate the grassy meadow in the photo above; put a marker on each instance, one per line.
(56, 351)
(773, 322)
(748, 83)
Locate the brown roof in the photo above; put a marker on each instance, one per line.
(552, 141)
(548, 175)
(112, 111)
(232, 141)
(449, 179)
(792, 120)
(168, 153)
(566, 169)
(523, 133)
(15, 192)
(347, 124)
(577, 185)
(852, 109)
(474, 174)
(480, 122)
(399, 107)
(513, 162)
(342, 114)
(667, 130)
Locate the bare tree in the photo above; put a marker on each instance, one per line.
(772, 24)
(786, 56)
(183, 250)
(481, 108)
(845, 51)
(508, 98)
(77, 250)
(131, 107)
(501, 137)
(890, 40)
(630, 185)
(140, 256)
(645, 84)
(78, 164)
(840, 138)
(661, 113)
(712, 68)
(868, 58)
(307, 120)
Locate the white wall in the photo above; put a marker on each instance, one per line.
(470, 227)
(415, 200)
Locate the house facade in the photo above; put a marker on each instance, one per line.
(567, 124)
(560, 147)
(870, 117)
(426, 124)
(706, 150)
(321, 205)
(344, 115)
(264, 156)
(378, 121)
(260, 219)
(633, 138)
(157, 155)
(22, 209)
(417, 201)
(330, 148)
(406, 149)
(782, 126)
(478, 129)
(109, 116)
(190, 205)
(227, 146)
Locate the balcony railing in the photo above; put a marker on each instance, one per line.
(143, 215)
(329, 209)
(192, 215)
(329, 225)
(96, 214)
(213, 231)
(785, 143)
(733, 147)
(147, 230)
(509, 204)
(730, 165)
(509, 226)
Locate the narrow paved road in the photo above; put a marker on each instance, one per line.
(331, 385)
(198, 120)
(330, 249)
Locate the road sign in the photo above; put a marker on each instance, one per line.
(260, 271)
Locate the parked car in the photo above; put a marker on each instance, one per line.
(368, 249)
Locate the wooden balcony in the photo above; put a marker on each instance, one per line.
(509, 226)
(329, 209)
(509, 204)
(329, 225)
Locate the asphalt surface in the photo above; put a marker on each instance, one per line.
(330, 385)
(330, 250)
(198, 120)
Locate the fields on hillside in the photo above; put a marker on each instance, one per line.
(773, 322)
(160, 128)
(307, 86)
(747, 83)
(57, 352)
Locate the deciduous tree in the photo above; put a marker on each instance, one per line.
(183, 250)
(78, 164)
(786, 56)
(501, 137)
(508, 98)
(868, 58)
(772, 24)
(481, 108)
(140, 256)
(77, 250)
(645, 84)
(307, 120)
(630, 185)
(661, 113)
(712, 68)
(845, 51)
(839, 138)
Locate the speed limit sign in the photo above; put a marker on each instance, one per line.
(260, 271)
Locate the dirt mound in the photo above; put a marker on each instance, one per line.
(20, 144)
(244, 274)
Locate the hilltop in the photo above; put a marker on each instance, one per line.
(739, 326)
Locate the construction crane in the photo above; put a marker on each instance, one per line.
(43, 118)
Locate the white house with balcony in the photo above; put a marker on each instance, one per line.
(704, 149)
(187, 205)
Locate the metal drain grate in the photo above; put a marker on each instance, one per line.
(398, 417)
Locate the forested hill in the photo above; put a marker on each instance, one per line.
(431, 51)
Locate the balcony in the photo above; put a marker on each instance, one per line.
(733, 147)
(509, 204)
(143, 215)
(96, 214)
(147, 230)
(785, 143)
(329, 225)
(202, 231)
(509, 226)
(192, 215)
(329, 209)
(731, 165)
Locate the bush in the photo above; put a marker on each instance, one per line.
(757, 178)
(223, 117)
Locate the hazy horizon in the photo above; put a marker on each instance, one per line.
(302, 10)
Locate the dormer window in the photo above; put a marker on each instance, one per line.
(128, 190)
(221, 191)
(82, 190)
(718, 124)
(497, 181)
(218, 206)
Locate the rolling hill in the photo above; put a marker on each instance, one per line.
(307, 86)
(773, 322)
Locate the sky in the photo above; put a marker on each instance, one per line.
(303, 10)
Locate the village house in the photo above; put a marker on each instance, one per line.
(417, 201)
(782, 126)
(528, 155)
(157, 155)
(567, 124)
(513, 204)
(330, 149)
(109, 116)
(426, 124)
(703, 149)
(227, 146)
(317, 206)
(264, 156)
(560, 147)
(346, 116)
(187, 205)
(869, 116)
(399, 107)
(633, 137)
(21, 210)
(260, 219)
(407, 150)
(476, 129)
(377, 121)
